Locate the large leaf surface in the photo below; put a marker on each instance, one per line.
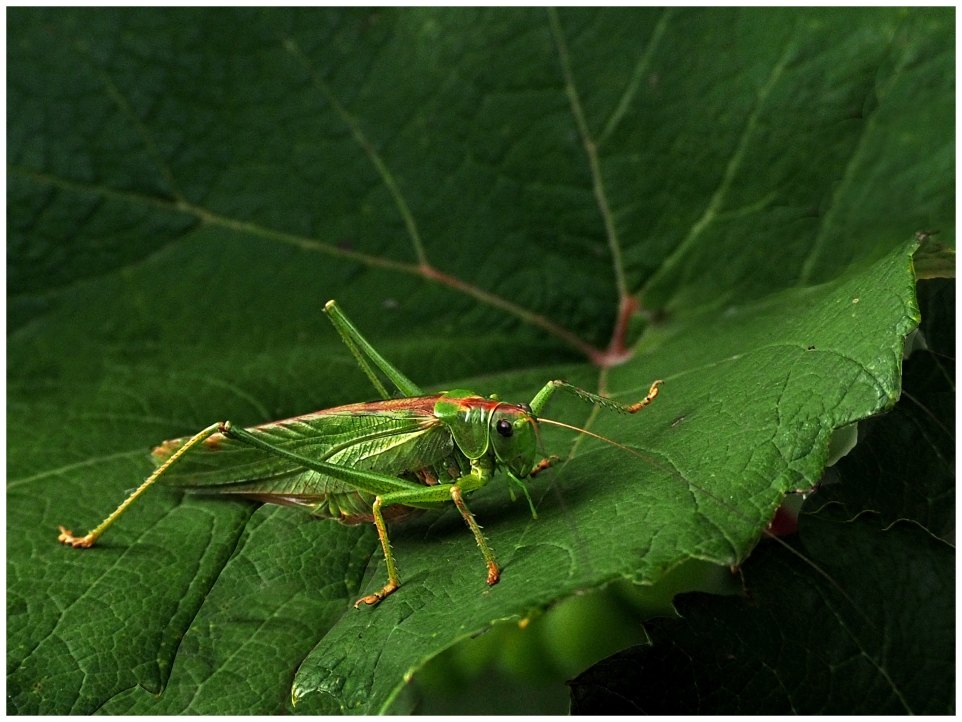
(864, 622)
(187, 188)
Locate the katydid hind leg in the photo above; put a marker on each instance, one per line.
(371, 482)
(88, 540)
(365, 354)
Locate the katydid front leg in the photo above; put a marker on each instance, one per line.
(545, 463)
(494, 572)
(541, 398)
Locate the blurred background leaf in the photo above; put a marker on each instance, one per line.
(482, 190)
(881, 641)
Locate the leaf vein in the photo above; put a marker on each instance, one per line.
(310, 244)
(354, 126)
(640, 69)
(71, 467)
(597, 178)
(848, 178)
(113, 91)
(731, 169)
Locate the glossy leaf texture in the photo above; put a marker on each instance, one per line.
(480, 190)
(868, 626)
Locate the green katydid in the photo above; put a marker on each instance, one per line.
(375, 461)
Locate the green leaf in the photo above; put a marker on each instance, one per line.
(778, 649)
(904, 464)
(275, 607)
(482, 191)
(694, 492)
(877, 636)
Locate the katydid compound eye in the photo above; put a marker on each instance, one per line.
(504, 428)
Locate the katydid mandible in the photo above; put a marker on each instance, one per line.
(368, 462)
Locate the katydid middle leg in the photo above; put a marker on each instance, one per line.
(393, 581)
(442, 492)
(388, 490)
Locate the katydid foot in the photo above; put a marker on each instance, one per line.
(543, 464)
(389, 588)
(652, 393)
(494, 574)
(77, 542)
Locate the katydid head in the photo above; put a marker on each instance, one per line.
(513, 434)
